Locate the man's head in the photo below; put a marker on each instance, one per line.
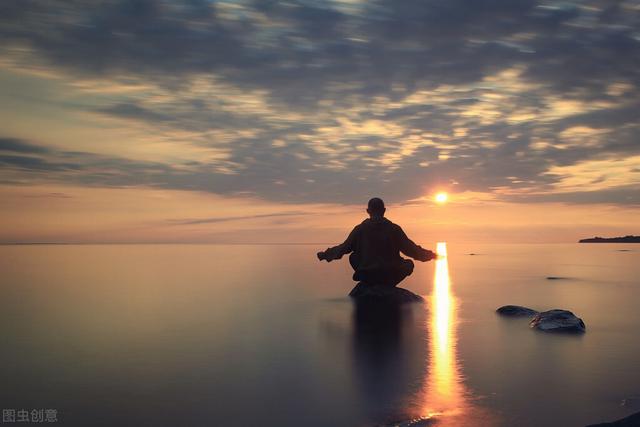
(375, 207)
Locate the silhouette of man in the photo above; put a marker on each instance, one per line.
(375, 246)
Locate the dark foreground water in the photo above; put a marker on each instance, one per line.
(203, 335)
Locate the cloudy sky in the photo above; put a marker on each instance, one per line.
(275, 121)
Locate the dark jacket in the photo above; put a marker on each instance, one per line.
(377, 243)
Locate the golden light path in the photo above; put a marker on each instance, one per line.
(445, 396)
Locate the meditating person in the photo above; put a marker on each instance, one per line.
(375, 246)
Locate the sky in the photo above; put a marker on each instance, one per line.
(275, 121)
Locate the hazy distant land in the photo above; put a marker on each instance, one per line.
(625, 239)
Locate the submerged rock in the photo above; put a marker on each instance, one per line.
(516, 311)
(393, 294)
(557, 321)
(630, 421)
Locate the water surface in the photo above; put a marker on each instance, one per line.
(203, 335)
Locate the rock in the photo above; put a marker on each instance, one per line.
(557, 321)
(516, 311)
(556, 278)
(632, 420)
(630, 401)
(393, 294)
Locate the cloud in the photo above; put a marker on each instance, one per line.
(135, 112)
(238, 218)
(15, 145)
(624, 195)
(303, 51)
(309, 101)
(50, 195)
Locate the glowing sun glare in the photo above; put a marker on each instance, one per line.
(441, 198)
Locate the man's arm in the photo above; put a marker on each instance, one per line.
(409, 248)
(336, 252)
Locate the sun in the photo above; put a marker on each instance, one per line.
(441, 198)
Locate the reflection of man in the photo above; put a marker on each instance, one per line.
(375, 247)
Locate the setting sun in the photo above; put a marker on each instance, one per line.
(441, 198)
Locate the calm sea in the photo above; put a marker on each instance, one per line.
(214, 335)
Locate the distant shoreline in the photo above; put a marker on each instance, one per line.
(625, 239)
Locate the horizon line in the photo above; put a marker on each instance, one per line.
(235, 243)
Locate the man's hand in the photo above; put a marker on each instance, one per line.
(428, 256)
(321, 256)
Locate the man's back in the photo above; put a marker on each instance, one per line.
(377, 243)
(375, 246)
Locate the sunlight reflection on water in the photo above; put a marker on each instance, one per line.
(445, 397)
